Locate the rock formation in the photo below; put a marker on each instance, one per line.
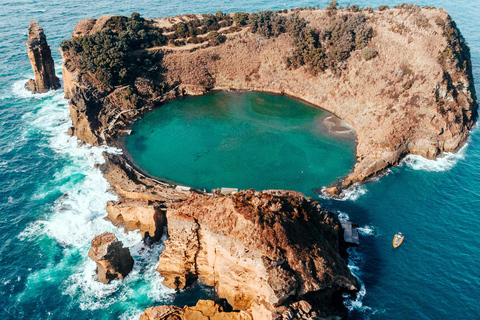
(415, 95)
(112, 259)
(261, 251)
(139, 214)
(41, 60)
(270, 254)
(204, 310)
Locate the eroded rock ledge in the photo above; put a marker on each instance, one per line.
(260, 250)
(413, 94)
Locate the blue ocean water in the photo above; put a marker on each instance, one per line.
(52, 198)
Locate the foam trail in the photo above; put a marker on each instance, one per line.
(355, 261)
(442, 163)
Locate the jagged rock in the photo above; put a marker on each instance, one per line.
(83, 27)
(259, 250)
(203, 310)
(112, 259)
(41, 60)
(139, 214)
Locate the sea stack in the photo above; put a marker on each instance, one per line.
(41, 60)
(112, 259)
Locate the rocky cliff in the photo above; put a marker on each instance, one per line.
(409, 91)
(262, 251)
(401, 77)
(41, 60)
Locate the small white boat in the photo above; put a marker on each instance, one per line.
(397, 240)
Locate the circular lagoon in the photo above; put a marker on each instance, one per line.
(241, 140)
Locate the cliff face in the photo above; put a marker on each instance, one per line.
(41, 60)
(261, 251)
(415, 94)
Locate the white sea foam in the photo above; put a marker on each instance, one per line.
(19, 91)
(444, 162)
(352, 193)
(77, 216)
(367, 231)
(355, 260)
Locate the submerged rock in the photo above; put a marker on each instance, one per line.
(112, 259)
(41, 60)
(261, 251)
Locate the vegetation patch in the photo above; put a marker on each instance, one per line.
(115, 55)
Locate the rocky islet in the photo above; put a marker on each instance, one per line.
(429, 108)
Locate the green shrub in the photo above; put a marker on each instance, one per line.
(215, 38)
(267, 23)
(369, 53)
(383, 8)
(240, 18)
(108, 53)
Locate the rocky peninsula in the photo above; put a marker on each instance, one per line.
(400, 77)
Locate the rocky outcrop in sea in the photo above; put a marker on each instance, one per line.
(413, 94)
(112, 259)
(41, 60)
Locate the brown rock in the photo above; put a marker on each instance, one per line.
(41, 60)
(83, 27)
(131, 184)
(403, 101)
(112, 259)
(203, 310)
(259, 250)
(137, 214)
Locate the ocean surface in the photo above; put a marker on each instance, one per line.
(52, 199)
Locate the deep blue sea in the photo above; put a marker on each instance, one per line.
(52, 199)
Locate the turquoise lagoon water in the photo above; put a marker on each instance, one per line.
(242, 140)
(52, 199)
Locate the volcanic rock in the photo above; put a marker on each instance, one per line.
(41, 60)
(139, 214)
(415, 96)
(203, 310)
(112, 259)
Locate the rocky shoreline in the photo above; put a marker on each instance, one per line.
(270, 254)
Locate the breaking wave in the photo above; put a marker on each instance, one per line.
(76, 217)
(444, 162)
